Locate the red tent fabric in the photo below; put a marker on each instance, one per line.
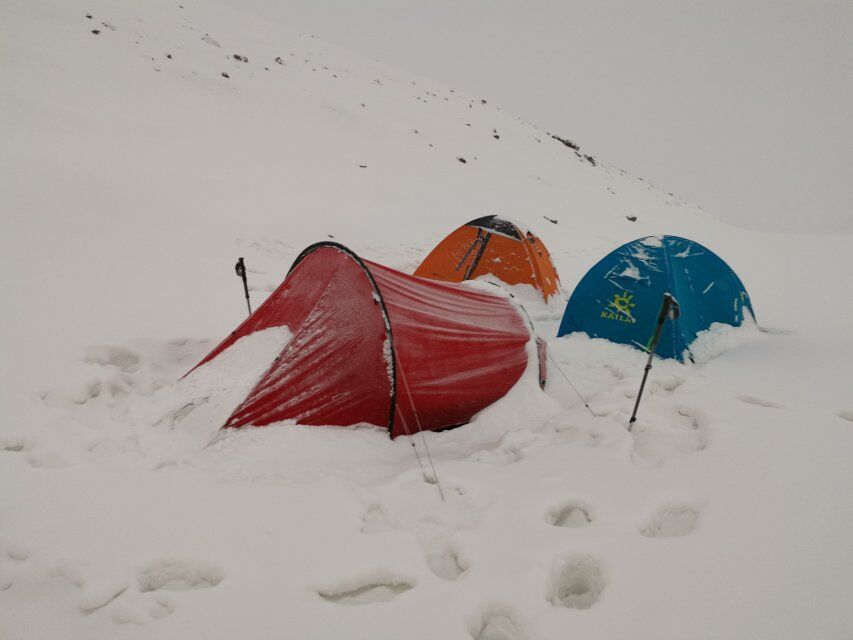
(374, 345)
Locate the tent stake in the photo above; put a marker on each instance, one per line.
(669, 307)
(240, 268)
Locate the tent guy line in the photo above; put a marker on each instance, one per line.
(421, 431)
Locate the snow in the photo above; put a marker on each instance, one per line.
(720, 338)
(129, 183)
(652, 241)
(388, 357)
(631, 271)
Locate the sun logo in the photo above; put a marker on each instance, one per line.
(623, 303)
(620, 308)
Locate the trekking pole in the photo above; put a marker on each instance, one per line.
(669, 307)
(240, 268)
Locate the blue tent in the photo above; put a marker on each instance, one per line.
(619, 298)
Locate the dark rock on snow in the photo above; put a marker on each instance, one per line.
(566, 141)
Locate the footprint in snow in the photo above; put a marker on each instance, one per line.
(179, 575)
(672, 520)
(496, 623)
(156, 607)
(97, 596)
(442, 556)
(845, 415)
(106, 355)
(15, 444)
(668, 382)
(656, 439)
(573, 514)
(576, 581)
(380, 587)
(153, 598)
(618, 371)
(376, 519)
(78, 394)
(511, 448)
(759, 402)
(48, 460)
(15, 554)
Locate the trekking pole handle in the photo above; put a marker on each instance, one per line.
(240, 269)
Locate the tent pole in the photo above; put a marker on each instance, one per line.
(668, 307)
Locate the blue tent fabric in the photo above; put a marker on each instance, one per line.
(619, 298)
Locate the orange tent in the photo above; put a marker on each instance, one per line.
(495, 246)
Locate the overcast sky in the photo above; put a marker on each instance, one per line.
(743, 107)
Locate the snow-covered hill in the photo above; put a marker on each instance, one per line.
(141, 157)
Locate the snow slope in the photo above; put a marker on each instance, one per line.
(134, 174)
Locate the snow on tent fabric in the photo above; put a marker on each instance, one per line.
(619, 298)
(373, 345)
(492, 245)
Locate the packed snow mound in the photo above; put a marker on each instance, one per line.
(719, 338)
(153, 144)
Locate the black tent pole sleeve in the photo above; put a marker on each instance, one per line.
(479, 255)
(468, 251)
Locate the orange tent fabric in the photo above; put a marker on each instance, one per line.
(492, 245)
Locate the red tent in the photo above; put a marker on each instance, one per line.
(374, 345)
